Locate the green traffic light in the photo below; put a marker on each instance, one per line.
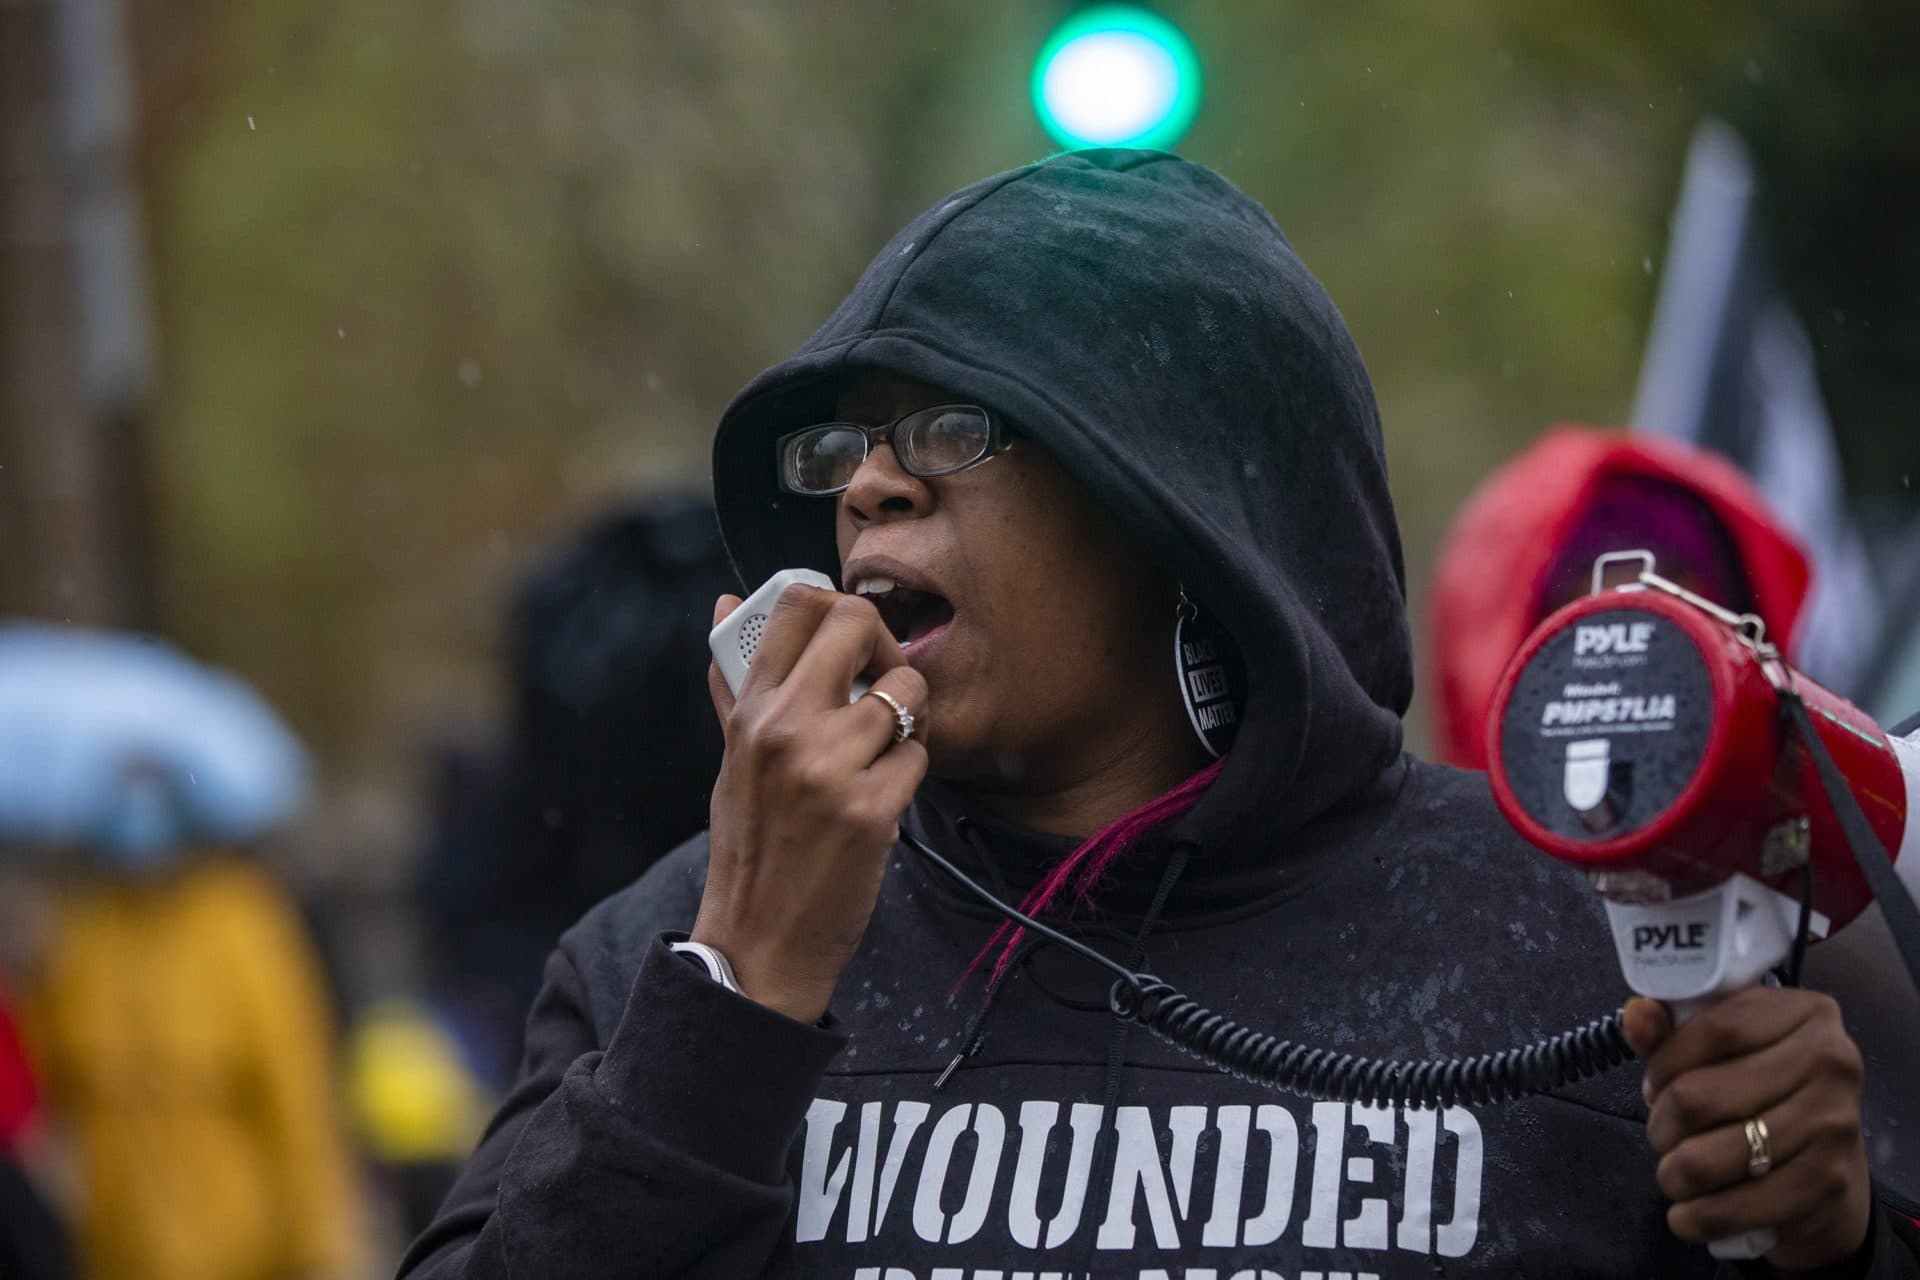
(1116, 76)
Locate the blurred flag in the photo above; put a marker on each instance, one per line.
(1729, 367)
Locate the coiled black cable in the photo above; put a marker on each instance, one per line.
(1278, 1063)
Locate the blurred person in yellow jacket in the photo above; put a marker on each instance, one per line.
(181, 1027)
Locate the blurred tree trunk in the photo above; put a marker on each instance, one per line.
(52, 543)
(74, 331)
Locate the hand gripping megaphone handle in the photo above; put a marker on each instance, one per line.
(1689, 952)
(1768, 929)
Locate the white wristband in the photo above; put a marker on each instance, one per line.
(712, 961)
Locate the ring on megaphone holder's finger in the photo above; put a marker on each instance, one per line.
(1759, 1149)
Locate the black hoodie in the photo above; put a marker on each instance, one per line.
(1150, 327)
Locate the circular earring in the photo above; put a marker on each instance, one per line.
(1212, 675)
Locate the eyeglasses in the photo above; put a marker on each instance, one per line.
(820, 461)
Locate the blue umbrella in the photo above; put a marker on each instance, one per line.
(123, 745)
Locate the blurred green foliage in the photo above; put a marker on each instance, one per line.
(437, 279)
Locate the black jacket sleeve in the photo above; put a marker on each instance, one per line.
(1892, 1251)
(663, 1154)
(1897, 1245)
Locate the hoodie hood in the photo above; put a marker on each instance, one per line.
(1150, 327)
(1515, 527)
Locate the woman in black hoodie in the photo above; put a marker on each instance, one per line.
(1064, 413)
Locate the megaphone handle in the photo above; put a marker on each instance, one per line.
(1747, 1245)
(1734, 933)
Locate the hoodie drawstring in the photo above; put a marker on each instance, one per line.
(975, 1033)
(1100, 1185)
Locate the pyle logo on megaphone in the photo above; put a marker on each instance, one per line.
(1612, 637)
(1691, 936)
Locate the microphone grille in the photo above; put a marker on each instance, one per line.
(750, 635)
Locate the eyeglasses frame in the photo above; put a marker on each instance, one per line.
(998, 440)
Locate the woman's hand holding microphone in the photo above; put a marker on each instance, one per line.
(809, 797)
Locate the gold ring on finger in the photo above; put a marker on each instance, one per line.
(902, 718)
(1759, 1148)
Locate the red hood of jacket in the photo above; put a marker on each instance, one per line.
(1508, 535)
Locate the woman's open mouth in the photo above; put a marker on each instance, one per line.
(911, 616)
(911, 607)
